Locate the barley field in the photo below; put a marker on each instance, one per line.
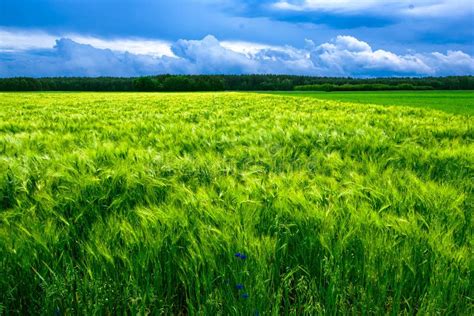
(233, 204)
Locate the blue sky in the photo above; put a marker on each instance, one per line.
(363, 38)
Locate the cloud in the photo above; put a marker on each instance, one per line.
(69, 58)
(452, 63)
(18, 40)
(333, 6)
(425, 15)
(440, 9)
(425, 8)
(347, 55)
(246, 48)
(426, 25)
(343, 56)
(136, 46)
(208, 56)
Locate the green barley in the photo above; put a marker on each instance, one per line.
(137, 203)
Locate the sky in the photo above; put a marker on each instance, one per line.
(126, 38)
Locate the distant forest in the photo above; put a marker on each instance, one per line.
(234, 83)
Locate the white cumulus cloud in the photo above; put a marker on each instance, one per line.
(347, 55)
(343, 56)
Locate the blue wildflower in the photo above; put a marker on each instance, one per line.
(238, 254)
(239, 286)
(243, 257)
(245, 296)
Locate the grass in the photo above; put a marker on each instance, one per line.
(232, 204)
(457, 102)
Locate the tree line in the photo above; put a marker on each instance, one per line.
(234, 83)
(362, 87)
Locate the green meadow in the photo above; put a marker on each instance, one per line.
(236, 204)
(457, 102)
